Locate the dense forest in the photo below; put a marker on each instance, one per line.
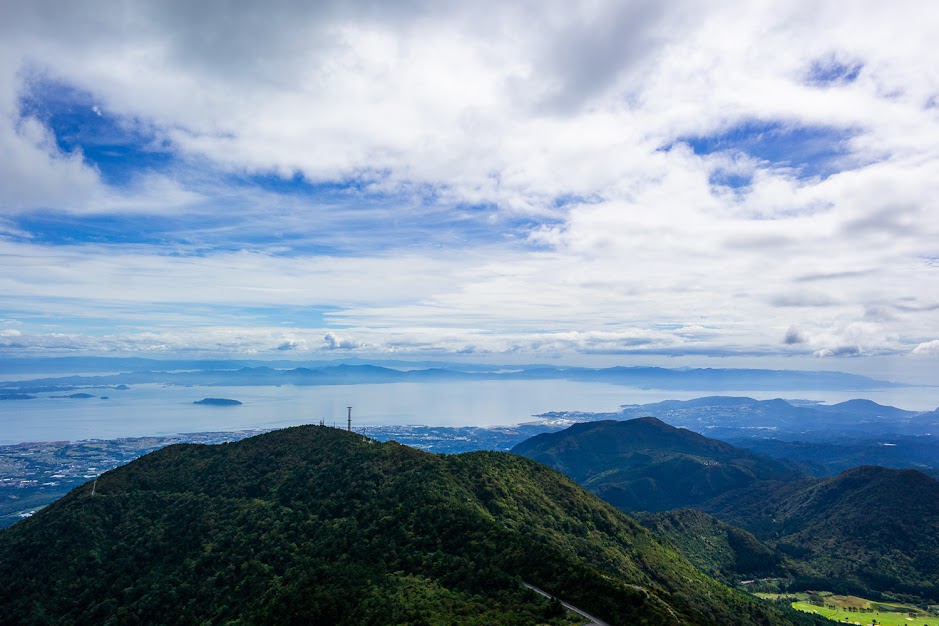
(720, 550)
(316, 525)
(869, 530)
(645, 464)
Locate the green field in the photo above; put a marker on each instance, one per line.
(855, 610)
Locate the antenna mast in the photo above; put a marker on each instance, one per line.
(349, 426)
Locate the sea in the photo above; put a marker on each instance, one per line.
(156, 409)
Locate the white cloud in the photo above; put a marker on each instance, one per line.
(432, 97)
(513, 107)
(927, 348)
(36, 174)
(332, 342)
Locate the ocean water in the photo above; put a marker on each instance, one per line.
(163, 410)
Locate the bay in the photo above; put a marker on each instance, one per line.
(156, 409)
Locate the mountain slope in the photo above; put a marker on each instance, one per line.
(645, 464)
(717, 549)
(316, 525)
(875, 526)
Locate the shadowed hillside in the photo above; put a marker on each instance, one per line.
(875, 526)
(867, 530)
(646, 465)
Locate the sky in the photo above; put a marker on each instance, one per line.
(592, 182)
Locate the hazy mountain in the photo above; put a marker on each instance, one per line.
(742, 417)
(830, 457)
(707, 379)
(721, 414)
(316, 525)
(864, 408)
(75, 365)
(646, 465)
(260, 373)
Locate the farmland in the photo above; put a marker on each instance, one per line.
(855, 610)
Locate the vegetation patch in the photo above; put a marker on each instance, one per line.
(849, 609)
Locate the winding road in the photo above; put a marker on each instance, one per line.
(593, 621)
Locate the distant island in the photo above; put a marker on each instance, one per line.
(16, 396)
(79, 396)
(218, 402)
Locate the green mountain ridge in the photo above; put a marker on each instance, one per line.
(868, 530)
(645, 464)
(316, 525)
(873, 526)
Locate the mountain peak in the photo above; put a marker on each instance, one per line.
(647, 464)
(653, 421)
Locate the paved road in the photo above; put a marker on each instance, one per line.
(593, 621)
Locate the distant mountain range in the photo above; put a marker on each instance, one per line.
(867, 530)
(210, 373)
(745, 418)
(317, 525)
(834, 455)
(98, 364)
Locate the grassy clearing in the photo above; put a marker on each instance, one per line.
(855, 610)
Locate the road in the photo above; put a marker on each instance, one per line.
(592, 621)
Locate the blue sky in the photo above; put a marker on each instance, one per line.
(619, 182)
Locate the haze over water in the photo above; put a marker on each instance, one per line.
(162, 410)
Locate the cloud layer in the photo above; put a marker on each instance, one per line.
(543, 178)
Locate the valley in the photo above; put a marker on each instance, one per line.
(869, 530)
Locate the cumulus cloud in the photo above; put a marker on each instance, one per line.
(838, 351)
(333, 342)
(291, 344)
(616, 76)
(543, 177)
(927, 348)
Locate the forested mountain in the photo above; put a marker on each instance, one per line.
(873, 526)
(646, 465)
(316, 525)
(869, 529)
